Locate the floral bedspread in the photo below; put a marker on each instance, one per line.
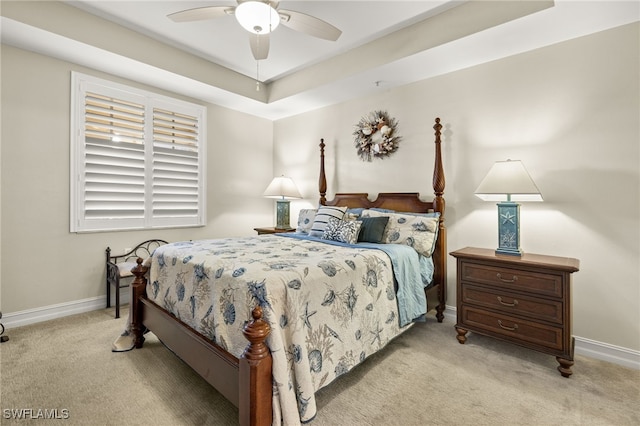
(329, 306)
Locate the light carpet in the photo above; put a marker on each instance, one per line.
(424, 377)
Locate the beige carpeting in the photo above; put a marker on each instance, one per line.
(424, 377)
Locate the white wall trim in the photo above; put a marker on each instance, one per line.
(590, 348)
(606, 352)
(32, 316)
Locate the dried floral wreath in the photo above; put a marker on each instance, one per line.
(375, 136)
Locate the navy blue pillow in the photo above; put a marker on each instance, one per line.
(372, 229)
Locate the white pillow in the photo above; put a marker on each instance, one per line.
(305, 220)
(322, 218)
(419, 232)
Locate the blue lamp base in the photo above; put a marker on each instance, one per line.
(282, 214)
(509, 229)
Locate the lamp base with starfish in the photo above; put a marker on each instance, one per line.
(509, 229)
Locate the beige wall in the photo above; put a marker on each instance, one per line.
(570, 112)
(43, 264)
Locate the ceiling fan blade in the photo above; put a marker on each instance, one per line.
(274, 4)
(259, 46)
(309, 25)
(201, 13)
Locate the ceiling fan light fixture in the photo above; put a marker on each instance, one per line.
(257, 17)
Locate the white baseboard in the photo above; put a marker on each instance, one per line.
(606, 352)
(590, 348)
(32, 316)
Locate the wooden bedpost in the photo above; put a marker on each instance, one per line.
(322, 182)
(138, 290)
(256, 384)
(440, 253)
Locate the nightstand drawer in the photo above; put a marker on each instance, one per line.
(513, 304)
(544, 336)
(513, 279)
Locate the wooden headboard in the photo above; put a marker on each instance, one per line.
(406, 202)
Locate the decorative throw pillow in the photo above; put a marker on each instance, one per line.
(305, 220)
(372, 229)
(322, 218)
(419, 232)
(345, 231)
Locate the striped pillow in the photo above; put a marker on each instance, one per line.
(322, 218)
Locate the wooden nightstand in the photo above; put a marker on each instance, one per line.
(523, 300)
(272, 230)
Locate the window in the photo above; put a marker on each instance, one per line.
(137, 158)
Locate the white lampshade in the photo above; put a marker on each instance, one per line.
(282, 187)
(257, 17)
(508, 181)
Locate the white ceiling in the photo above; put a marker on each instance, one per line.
(224, 42)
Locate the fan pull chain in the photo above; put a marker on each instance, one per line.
(257, 76)
(258, 62)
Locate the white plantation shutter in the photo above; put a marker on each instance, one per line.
(175, 165)
(137, 159)
(113, 159)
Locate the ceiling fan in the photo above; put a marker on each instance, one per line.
(260, 17)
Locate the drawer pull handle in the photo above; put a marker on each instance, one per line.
(515, 302)
(512, 280)
(514, 328)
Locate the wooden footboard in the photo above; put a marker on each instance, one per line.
(247, 381)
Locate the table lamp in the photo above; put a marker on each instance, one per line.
(284, 189)
(508, 182)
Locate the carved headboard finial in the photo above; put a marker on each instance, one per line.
(438, 170)
(322, 183)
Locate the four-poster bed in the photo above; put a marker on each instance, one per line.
(249, 380)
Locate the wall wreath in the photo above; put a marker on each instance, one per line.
(376, 136)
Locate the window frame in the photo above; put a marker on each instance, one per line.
(80, 221)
